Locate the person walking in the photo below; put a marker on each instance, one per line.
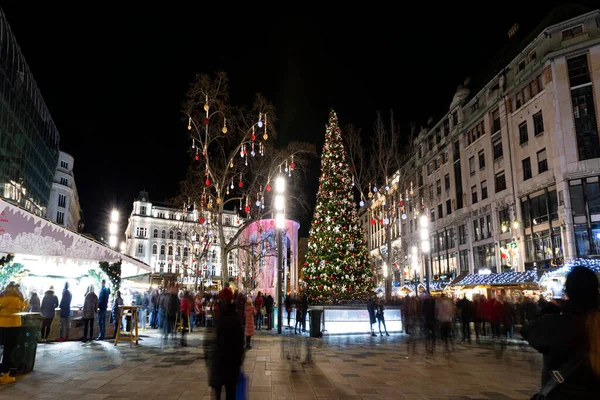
(102, 307)
(288, 308)
(48, 310)
(249, 313)
(185, 310)
(90, 308)
(226, 350)
(65, 314)
(144, 310)
(570, 341)
(11, 303)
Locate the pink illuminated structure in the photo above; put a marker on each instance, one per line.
(258, 259)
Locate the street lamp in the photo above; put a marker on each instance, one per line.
(280, 226)
(113, 228)
(425, 246)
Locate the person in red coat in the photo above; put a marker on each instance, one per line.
(185, 308)
(249, 313)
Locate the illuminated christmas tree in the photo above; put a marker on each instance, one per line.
(337, 267)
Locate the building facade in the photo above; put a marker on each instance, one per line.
(179, 244)
(509, 177)
(63, 206)
(28, 137)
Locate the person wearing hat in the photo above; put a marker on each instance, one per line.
(570, 341)
(11, 303)
(48, 310)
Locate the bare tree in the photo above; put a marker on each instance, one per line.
(235, 162)
(375, 176)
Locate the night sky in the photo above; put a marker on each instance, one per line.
(114, 77)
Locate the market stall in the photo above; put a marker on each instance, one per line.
(553, 282)
(47, 254)
(512, 284)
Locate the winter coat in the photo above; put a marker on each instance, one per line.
(269, 303)
(34, 303)
(103, 298)
(370, 309)
(379, 313)
(116, 310)
(226, 352)
(49, 304)
(249, 313)
(185, 306)
(145, 302)
(65, 304)
(560, 337)
(90, 306)
(11, 303)
(258, 303)
(173, 305)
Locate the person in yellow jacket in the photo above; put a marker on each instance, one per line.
(11, 303)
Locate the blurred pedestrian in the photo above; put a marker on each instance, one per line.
(34, 303)
(11, 303)
(65, 314)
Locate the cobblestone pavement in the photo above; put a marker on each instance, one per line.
(349, 367)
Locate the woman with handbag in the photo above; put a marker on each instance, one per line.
(570, 341)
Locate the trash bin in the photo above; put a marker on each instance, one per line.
(23, 356)
(315, 323)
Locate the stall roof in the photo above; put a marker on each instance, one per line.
(591, 263)
(435, 286)
(22, 232)
(501, 279)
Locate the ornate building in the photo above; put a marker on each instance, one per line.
(63, 207)
(509, 177)
(179, 245)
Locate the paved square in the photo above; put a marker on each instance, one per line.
(343, 367)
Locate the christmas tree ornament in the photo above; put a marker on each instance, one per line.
(190, 124)
(224, 128)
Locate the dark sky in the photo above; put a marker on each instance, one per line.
(114, 76)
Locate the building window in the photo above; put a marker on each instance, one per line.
(504, 217)
(163, 234)
(542, 161)
(169, 268)
(438, 185)
(140, 249)
(447, 182)
(141, 232)
(495, 120)
(178, 235)
(448, 207)
(171, 235)
(64, 181)
(500, 181)
(484, 193)
(481, 160)
(539, 209)
(143, 210)
(161, 215)
(572, 32)
(62, 200)
(523, 135)
(521, 65)
(60, 217)
(579, 70)
(538, 123)
(178, 251)
(155, 233)
(432, 214)
(532, 56)
(475, 230)
(170, 253)
(176, 269)
(64, 164)
(162, 250)
(185, 252)
(472, 165)
(154, 249)
(527, 174)
(473, 194)
(462, 234)
(498, 150)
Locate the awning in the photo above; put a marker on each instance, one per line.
(501, 279)
(22, 232)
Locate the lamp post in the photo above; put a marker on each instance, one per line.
(280, 226)
(113, 228)
(425, 246)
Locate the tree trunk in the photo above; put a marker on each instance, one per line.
(224, 272)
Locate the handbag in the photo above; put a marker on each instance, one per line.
(242, 384)
(558, 377)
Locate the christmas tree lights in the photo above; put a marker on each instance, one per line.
(337, 267)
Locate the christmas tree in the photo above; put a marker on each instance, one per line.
(337, 267)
